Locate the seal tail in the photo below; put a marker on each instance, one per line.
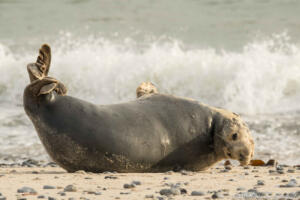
(40, 68)
(146, 88)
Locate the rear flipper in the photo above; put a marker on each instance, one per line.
(47, 85)
(146, 88)
(40, 68)
(38, 74)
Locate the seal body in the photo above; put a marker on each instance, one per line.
(155, 132)
(160, 132)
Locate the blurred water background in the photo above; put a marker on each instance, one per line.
(242, 55)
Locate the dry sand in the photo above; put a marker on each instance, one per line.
(235, 183)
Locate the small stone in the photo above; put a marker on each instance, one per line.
(284, 181)
(110, 177)
(271, 171)
(217, 195)
(231, 179)
(271, 162)
(227, 162)
(27, 190)
(183, 191)
(168, 192)
(2, 198)
(41, 197)
(260, 182)
(197, 193)
(290, 171)
(246, 173)
(228, 167)
(252, 190)
(136, 182)
(184, 172)
(128, 186)
(246, 167)
(124, 193)
(240, 189)
(51, 198)
(62, 193)
(70, 188)
(149, 196)
(49, 187)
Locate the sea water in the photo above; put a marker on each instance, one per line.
(243, 56)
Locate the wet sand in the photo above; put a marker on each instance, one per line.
(235, 182)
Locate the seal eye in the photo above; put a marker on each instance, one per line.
(234, 136)
(229, 154)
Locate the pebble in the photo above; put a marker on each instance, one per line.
(110, 177)
(183, 191)
(128, 186)
(124, 193)
(62, 193)
(184, 172)
(290, 171)
(2, 198)
(171, 191)
(149, 196)
(49, 187)
(41, 197)
(136, 182)
(246, 173)
(217, 195)
(240, 188)
(26, 190)
(70, 188)
(51, 198)
(260, 182)
(291, 183)
(228, 167)
(197, 193)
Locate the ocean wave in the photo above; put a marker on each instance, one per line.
(262, 78)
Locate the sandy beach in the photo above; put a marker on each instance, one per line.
(230, 182)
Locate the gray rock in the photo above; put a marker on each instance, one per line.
(291, 183)
(62, 193)
(217, 195)
(291, 171)
(136, 182)
(240, 189)
(171, 191)
(97, 193)
(49, 187)
(26, 190)
(70, 188)
(149, 196)
(183, 191)
(246, 173)
(128, 186)
(41, 197)
(124, 193)
(110, 177)
(197, 193)
(2, 198)
(51, 198)
(260, 182)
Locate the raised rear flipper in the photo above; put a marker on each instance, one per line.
(40, 68)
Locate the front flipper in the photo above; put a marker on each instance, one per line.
(40, 68)
(145, 88)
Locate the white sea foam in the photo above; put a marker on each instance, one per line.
(263, 78)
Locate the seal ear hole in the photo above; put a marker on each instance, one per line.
(234, 136)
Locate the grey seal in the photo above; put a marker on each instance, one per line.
(153, 133)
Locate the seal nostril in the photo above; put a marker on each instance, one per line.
(242, 157)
